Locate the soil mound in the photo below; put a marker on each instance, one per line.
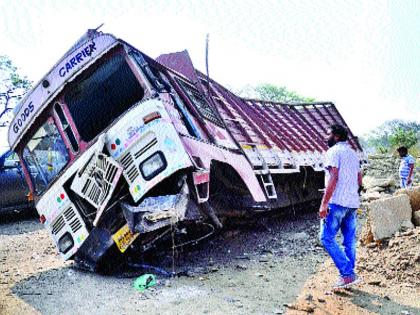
(398, 260)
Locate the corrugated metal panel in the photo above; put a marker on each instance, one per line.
(323, 115)
(288, 127)
(271, 132)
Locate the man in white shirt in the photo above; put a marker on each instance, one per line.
(406, 170)
(339, 204)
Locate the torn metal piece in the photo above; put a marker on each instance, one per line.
(155, 212)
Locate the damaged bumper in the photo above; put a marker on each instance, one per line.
(152, 215)
(155, 212)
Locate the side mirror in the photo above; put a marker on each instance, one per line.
(8, 164)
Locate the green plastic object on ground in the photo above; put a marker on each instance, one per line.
(145, 281)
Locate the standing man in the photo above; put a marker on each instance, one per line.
(339, 204)
(406, 168)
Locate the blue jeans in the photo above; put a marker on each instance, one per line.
(345, 219)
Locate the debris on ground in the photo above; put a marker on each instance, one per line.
(390, 275)
(398, 261)
(144, 282)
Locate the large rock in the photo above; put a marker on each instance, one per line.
(377, 189)
(389, 215)
(414, 194)
(371, 182)
(416, 218)
(370, 196)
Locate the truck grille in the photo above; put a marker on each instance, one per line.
(130, 169)
(69, 214)
(130, 161)
(96, 183)
(75, 225)
(145, 148)
(67, 218)
(58, 225)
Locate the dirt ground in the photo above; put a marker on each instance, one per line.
(272, 267)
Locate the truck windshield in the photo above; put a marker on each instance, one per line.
(45, 155)
(101, 95)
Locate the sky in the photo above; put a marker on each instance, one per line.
(362, 55)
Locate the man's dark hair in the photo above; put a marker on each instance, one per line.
(340, 132)
(402, 150)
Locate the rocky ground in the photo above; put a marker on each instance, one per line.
(395, 262)
(381, 177)
(386, 166)
(390, 275)
(272, 267)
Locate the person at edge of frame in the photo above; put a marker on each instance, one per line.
(406, 170)
(338, 210)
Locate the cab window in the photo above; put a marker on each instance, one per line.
(102, 95)
(45, 155)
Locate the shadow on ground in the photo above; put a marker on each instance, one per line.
(379, 304)
(66, 291)
(248, 270)
(19, 222)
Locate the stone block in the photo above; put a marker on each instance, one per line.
(416, 218)
(370, 196)
(371, 182)
(389, 215)
(377, 189)
(414, 194)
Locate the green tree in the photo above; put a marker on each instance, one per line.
(388, 135)
(401, 137)
(271, 92)
(12, 88)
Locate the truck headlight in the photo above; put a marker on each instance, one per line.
(65, 243)
(155, 164)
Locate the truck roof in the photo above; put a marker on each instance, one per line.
(287, 127)
(300, 127)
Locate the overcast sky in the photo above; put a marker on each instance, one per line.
(362, 55)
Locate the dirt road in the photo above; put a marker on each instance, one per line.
(273, 267)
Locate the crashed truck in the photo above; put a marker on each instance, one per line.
(120, 150)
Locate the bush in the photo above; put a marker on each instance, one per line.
(401, 137)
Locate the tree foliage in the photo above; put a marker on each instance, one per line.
(271, 92)
(401, 137)
(12, 88)
(392, 134)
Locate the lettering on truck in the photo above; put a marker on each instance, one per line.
(76, 59)
(38, 98)
(26, 112)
